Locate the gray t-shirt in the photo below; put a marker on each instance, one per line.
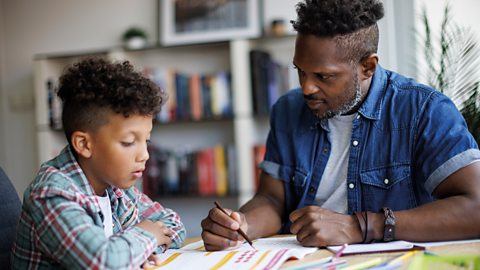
(332, 192)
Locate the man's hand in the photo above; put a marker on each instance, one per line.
(319, 227)
(219, 231)
(161, 232)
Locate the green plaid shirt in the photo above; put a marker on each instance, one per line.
(61, 224)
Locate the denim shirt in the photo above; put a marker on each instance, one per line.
(406, 139)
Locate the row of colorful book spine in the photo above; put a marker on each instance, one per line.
(193, 96)
(205, 172)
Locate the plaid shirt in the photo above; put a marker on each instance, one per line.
(61, 224)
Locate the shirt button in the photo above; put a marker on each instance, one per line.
(325, 150)
(386, 181)
(358, 116)
(293, 178)
(355, 143)
(351, 185)
(311, 189)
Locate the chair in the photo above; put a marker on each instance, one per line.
(10, 207)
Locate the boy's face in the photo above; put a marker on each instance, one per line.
(118, 152)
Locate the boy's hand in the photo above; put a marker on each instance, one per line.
(151, 261)
(159, 230)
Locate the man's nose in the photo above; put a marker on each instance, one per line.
(309, 87)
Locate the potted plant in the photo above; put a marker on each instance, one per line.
(134, 38)
(452, 60)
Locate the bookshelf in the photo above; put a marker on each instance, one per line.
(242, 130)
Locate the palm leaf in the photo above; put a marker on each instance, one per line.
(452, 60)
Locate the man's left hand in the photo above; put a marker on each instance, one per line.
(319, 227)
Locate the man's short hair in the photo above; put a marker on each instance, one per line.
(352, 23)
(94, 87)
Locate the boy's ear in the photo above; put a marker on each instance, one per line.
(81, 143)
(369, 64)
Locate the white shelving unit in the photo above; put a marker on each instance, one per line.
(243, 131)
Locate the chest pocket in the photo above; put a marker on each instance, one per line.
(389, 186)
(299, 178)
(295, 184)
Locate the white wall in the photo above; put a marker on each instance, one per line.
(28, 28)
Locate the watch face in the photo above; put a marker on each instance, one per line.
(389, 221)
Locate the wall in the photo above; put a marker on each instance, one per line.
(33, 27)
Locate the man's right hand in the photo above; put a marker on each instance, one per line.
(219, 231)
(263, 212)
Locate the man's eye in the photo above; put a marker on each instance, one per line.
(323, 77)
(127, 143)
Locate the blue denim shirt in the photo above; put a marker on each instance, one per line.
(406, 139)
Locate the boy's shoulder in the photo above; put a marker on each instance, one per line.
(59, 176)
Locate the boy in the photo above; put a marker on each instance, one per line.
(82, 210)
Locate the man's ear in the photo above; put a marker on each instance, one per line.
(81, 142)
(368, 65)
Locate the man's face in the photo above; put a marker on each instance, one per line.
(119, 152)
(330, 85)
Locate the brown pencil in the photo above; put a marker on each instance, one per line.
(240, 231)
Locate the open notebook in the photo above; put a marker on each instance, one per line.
(376, 247)
(269, 253)
(394, 246)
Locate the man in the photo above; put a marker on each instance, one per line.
(359, 153)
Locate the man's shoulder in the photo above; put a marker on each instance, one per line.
(396, 82)
(400, 90)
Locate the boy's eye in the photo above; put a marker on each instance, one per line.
(127, 143)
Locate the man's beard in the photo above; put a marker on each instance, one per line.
(348, 105)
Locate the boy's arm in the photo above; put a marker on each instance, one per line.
(65, 232)
(154, 211)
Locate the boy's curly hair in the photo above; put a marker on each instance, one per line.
(352, 23)
(91, 88)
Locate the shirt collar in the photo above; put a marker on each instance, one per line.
(69, 163)
(372, 105)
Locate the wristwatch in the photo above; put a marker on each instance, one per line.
(389, 229)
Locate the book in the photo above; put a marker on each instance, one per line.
(195, 96)
(269, 253)
(259, 64)
(393, 246)
(220, 170)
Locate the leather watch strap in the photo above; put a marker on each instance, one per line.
(389, 228)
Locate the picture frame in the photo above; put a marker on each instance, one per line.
(199, 21)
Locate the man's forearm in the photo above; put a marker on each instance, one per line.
(452, 218)
(456, 217)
